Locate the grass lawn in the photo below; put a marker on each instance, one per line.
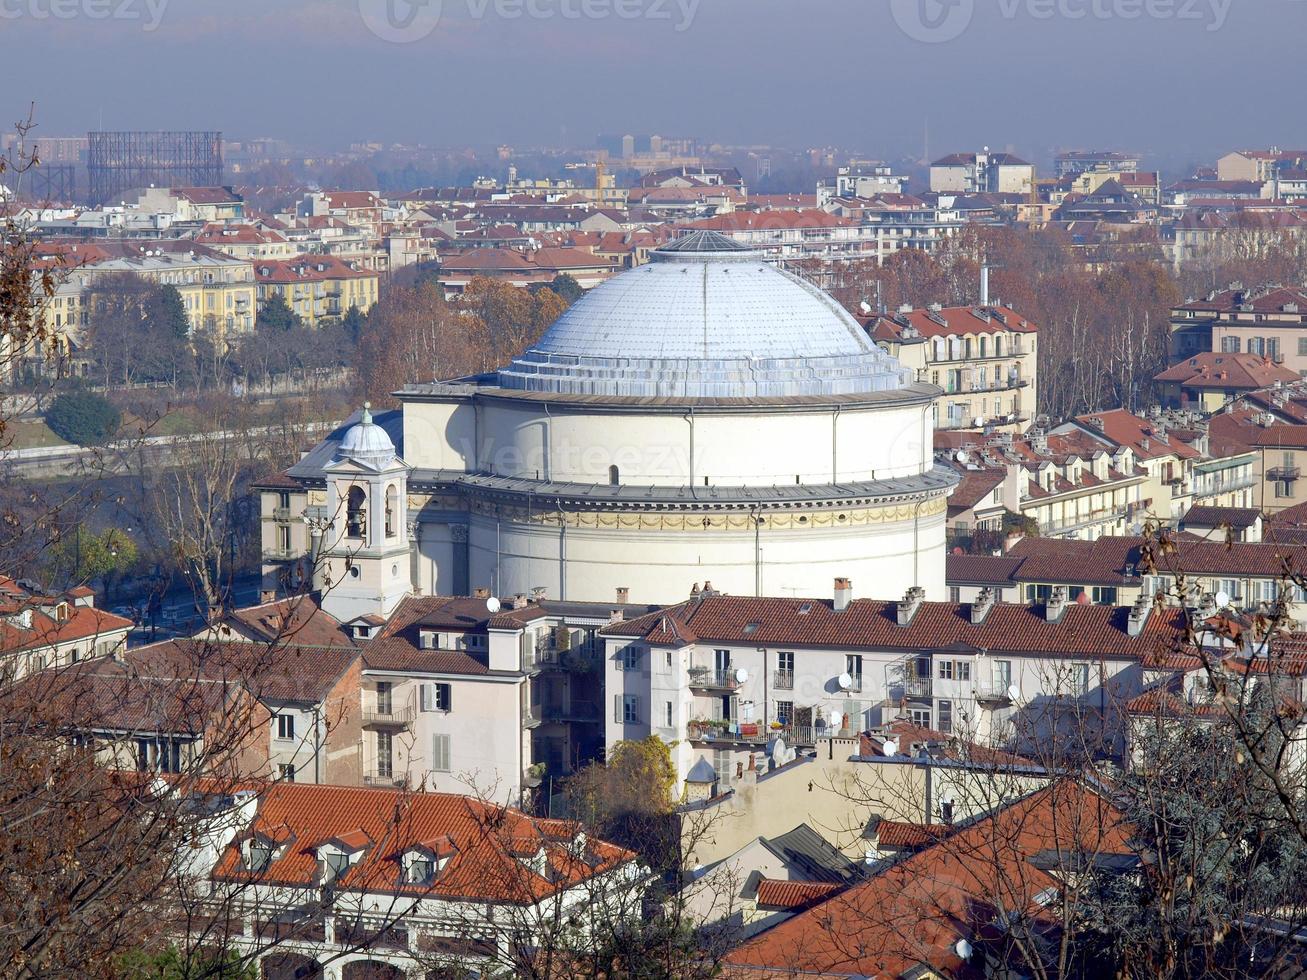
(29, 435)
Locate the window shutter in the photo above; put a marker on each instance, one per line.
(424, 696)
(449, 697)
(617, 708)
(635, 708)
(440, 761)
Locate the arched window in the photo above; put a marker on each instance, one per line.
(998, 346)
(356, 513)
(614, 476)
(984, 346)
(966, 348)
(392, 505)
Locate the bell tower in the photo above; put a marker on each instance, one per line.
(365, 548)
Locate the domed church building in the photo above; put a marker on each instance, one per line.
(704, 418)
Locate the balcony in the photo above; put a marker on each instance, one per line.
(1283, 474)
(281, 513)
(916, 687)
(576, 711)
(993, 693)
(372, 777)
(783, 680)
(382, 715)
(279, 554)
(707, 679)
(1112, 515)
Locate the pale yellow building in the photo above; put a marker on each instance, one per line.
(317, 287)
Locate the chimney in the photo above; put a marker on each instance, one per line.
(984, 285)
(616, 615)
(481, 592)
(843, 594)
(519, 601)
(983, 604)
(909, 604)
(1056, 605)
(266, 596)
(623, 594)
(319, 566)
(539, 594)
(1143, 607)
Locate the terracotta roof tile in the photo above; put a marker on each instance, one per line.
(794, 894)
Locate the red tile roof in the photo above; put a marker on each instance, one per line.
(794, 894)
(1084, 630)
(296, 619)
(1123, 428)
(957, 321)
(1213, 370)
(914, 912)
(897, 833)
(486, 841)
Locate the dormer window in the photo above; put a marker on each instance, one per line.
(334, 864)
(421, 870)
(257, 855)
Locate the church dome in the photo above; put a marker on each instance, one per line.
(366, 442)
(706, 318)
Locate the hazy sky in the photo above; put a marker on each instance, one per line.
(1179, 78)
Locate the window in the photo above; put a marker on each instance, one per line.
(629, 658)
(1283, 489)
(626, 709)
(260, 856)
(853, 667)
(722, 660)
(1302, 346)
(721, 764)
(392, 505)
(963, 669)
(420, 870)
(954, 594)
(385, 698)
(335, 864)
(785, 712)
(356, 523)
(614, 476)
(946, 811)
(785, 671)
(1105, 595)
(667, 714)
(286, 772)
(1079, 680)
(920, 717)
(946, 670)
(436, 697)
(440, 753)
(385, 755)
(946, 716)
(285, 726)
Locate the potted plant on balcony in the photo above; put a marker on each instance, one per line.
(535, 774)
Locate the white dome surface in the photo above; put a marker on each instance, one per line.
(367, 442)
(706, 318)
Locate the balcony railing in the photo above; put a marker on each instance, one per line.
(1283, 474)
(916, 687)
(387, 715)
(373, 777)
(707, 679)
(1106, 516)
(279, 554)
(993, 691)
(575, 711)
(281, 513)
(783, 680)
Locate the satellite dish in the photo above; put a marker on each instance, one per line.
(866, 307)
(890, 748)
(1222, 600)
(846, 682)
(961, 456)
(963, 949)
(1014, 692)
(741, 675)
(492, 605)
(836, 720)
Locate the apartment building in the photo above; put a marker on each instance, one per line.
(316, 287)
(1071, 484)
(1209, 381)
(40, 631)
(354, 882)
(718, 677)
(1270, 323)
(1077, 162)
(984, 358)
(982, 173)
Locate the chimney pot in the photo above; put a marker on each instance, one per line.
(843, 594)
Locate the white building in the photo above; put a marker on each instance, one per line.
(704, 417)
(720, 677)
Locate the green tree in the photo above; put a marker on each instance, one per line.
(170, 964)
(84, 418)
(168, 313)
(276, 316)
(85, 556)
(354, 323)
(567, 287)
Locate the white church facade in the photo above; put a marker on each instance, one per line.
(703, 418)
